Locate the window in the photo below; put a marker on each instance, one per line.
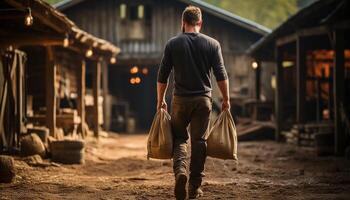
(136, 21)
(140, 11)
(122, 11)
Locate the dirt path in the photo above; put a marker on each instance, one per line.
(117, 168)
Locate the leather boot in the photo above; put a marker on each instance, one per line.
(194, 192)
(180, 186)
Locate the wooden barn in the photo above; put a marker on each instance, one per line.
(311, 75)
(141, 28)
(43, 62)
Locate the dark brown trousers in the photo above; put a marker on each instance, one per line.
(193, 111)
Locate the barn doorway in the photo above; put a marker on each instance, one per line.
(134, 89)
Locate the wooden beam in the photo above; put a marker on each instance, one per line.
(319, 30)
(301, 73)
(50, 91)
(81, 96)
(105, 91)
(338, 88)
(18, 42)
(279, 93)
(286, 39)
(96, 93)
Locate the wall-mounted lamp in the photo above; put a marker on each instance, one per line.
(255, 65)
(28, 20)
(89, 53)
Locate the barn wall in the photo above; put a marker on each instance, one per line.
(102, 18)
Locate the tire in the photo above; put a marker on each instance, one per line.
(67, 145)
(69, 156)
(7, 169)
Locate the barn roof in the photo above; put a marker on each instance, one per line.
(213, 10)
(51, 18)
(316, 14)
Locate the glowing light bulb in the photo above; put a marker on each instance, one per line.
(28, 20)
(66, 42)
(113, 60)
(137, 80)
(134, 70)
(145, 71)
(254, 65)
(132, 81)
(89, 53)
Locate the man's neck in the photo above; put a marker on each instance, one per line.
(192, 29)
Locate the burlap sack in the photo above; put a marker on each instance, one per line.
(222, 139)
(160, 139)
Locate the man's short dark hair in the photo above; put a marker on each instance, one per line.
(192, 15)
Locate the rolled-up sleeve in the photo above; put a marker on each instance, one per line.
(166, 65)
(218, 64)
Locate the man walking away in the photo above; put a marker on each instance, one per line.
(192, 55)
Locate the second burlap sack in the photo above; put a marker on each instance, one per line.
(160, 138)
(222, 138)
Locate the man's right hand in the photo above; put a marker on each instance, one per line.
(162, 104)
(225, 105)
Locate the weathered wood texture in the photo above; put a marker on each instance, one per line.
(96, 84)
(81, 96)
(164, 23)
(51, 92)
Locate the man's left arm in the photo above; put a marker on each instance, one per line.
(165, 68)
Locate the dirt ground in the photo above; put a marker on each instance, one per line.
(116, 168)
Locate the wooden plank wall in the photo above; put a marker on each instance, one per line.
(101, 18)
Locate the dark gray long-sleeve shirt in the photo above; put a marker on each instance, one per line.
(192, 56)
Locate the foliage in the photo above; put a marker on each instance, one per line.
(53, 1)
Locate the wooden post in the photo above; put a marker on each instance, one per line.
(20, 99)
(257, 81)
(301, 72)
(96, 92)
(105, 92)
(50, 91)
(338, 87)
(81, 95)
(279, 93)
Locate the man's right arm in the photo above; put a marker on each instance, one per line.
(223, 86)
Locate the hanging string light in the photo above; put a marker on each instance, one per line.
(28, 20)
(66, 41)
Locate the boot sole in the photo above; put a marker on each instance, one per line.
(180, 187)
